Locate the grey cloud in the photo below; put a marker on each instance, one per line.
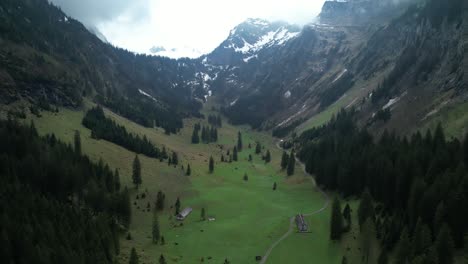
(92, 12)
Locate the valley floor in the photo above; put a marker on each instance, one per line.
(249, 215)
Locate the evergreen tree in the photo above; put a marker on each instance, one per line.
(366, 208)
(202, 215)
(177, 206)
(189, 171)
(267, 157)
(465, 149)
(155, 231)
(133, 257)
(234, 154)
(368, 234)
(117, 180)
(204, 135)
(175, 158)
(160, 199)
(383, 257)
(274, 186)
(195, 136)
(445, 246)
(164, 153)
(336, 220)
(258, 148)
(162, 260)
(422, 238)
(246, 178)
(344, 260)
(222, 157)
(136, 175)
(284, 160)
(403, 250)
(291, 164)
(239, 141)
(250, 157)
(211, 165)
(347, 215)
(77, 142)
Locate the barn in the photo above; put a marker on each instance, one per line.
(184, 213)
(301, 223)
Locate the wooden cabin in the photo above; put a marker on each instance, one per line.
(301, 223)
(184, 213)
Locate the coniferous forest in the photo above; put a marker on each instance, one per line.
(415, 184)
(57, 206)
(106, 128)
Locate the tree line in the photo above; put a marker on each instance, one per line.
(107, 129)
(215, 120)
(57, 205)
(417, 184)
(208, 134)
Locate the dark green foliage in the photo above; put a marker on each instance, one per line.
(337, 89)
(160, 199)
(444, 245)
(215, 120)
(203, 214)
(250, 157)
(274, 186)
(403, 253)
(136, 172)
(258, 148)
(291, 164)
(163, 240)
(344, 260)
(267, 157)
(133, 257)
(366, 208)
(283, 131)
(246, 177)
(106, 128)
(234, 154)
(162, 260)
(209, 134)
(211, 165)
(347, 215)
(175, 158)
(39, 175)
(189, 171)
(156, 232)
(177, 206)
(336, 220)
(195, 136)
(383, 115)
(239, 141)
(284, 160)
(77, 143)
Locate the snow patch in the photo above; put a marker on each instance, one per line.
(340, 75)
(278, 37)
(65, 18)
(147, 95)
(250, 57)
(287, 94)
(391, 102)
(233, 102)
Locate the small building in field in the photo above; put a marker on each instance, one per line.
(184, 213)
(301, 223)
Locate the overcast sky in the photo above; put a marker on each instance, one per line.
(193, 27)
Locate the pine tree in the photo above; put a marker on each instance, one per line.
(291, 164)
(239, 141)
(274, 186)
(136, 175)
(258, 148)
(234, 154)
(202, 215)
(211, 165)
(155, 231)
(117, 180)
(222, 157)
(177, 206)
(163, 241)
(195, 136)
(160, 199)
(133, 257)
(175, 158)
(347, 215)
(250, 157)
(162, 260)
(284, 160)
(246, 178)
(77, 142)
(336, 220)
(422, 238)
(444, 245)
(403, 249)
(267, 157)
(189, 171)
(164, 153)
(366, 208)
(344, 260)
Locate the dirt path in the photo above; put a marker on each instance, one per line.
(291, 220)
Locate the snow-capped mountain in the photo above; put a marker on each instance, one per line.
(250, 38)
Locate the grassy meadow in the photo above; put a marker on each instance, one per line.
(249, 215)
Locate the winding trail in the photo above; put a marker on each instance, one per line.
(291, 220)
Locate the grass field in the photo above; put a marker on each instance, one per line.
(250, 216)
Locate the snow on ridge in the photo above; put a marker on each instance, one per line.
(340, 75)
(146, 94)
(278, 37)
(391, 102)
(250, 57)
